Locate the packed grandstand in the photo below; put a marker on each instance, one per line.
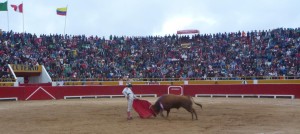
(256, 54)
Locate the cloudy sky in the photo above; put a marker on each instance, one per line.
(150, 17)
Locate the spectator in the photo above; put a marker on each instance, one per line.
(235, 55)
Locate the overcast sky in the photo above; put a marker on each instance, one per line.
(151, 17)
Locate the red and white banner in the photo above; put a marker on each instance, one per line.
(191, 31)
(18, 8)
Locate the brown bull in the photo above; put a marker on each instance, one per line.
(167, 102)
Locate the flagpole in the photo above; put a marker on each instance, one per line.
(65, 21)
(7, 19)
(23, 15)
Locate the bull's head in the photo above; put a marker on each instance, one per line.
(154, 111)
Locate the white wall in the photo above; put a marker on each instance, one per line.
(43, 78)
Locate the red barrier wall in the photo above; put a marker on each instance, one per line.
(9, 92)
(58, 92)
(290, 89)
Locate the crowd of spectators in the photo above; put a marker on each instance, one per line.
(236, 55)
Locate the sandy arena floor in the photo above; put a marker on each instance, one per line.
(108, 116)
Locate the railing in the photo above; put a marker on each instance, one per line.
(168, 79)
(180, 79)
(7, 80)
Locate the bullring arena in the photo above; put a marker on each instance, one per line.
(43, 98)
(227, 108)
(108, 115)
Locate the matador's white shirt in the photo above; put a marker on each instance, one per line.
(128, 92)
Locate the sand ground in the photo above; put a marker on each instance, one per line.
(108, 116)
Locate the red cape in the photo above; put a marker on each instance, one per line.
(142, 107)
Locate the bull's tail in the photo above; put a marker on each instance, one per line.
(196, 102)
